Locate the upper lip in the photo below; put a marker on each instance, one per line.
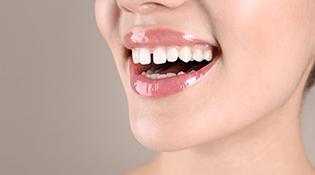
(158, 36)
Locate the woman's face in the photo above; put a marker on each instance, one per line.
(265, 55)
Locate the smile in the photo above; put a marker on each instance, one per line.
(164, 62)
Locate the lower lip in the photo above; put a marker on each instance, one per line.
(164, 87)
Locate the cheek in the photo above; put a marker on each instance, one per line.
(107, 15)
(100, 15)
(265, 55)
(107, 18)
(264, 44)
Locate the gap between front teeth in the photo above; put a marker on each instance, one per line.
(161, 55)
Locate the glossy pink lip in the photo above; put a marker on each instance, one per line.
(139, 38)
(162, 37)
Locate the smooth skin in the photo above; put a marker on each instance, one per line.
(243, 118)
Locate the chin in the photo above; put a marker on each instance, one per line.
(164, 125)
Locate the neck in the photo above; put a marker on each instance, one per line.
(272, 145)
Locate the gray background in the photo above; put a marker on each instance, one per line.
(62, 107)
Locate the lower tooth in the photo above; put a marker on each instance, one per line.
(161, 76)
(154, 76)
(180, 73)
(170, 74)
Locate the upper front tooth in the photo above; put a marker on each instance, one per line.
(144, 56)
(172, 54)
(197, 55)
(135, 56)
(208, 55)
(159, 55)
(185, 54)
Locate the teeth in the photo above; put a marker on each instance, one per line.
(159, 76)
(171, 75)
(180, 73)
(144, 56)
(185, 54)
(154, 76)
(172, 54)
(197, 55)
(159, 56)
(135, 56)
(208, 55)
(151, 75)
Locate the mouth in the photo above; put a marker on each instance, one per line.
(163, 62)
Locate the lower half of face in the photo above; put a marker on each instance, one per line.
(264, 54)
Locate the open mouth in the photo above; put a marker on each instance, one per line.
(167, 62)
(163, 62)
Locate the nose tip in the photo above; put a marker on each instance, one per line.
(147, 6)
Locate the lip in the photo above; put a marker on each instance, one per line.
(140, 38)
